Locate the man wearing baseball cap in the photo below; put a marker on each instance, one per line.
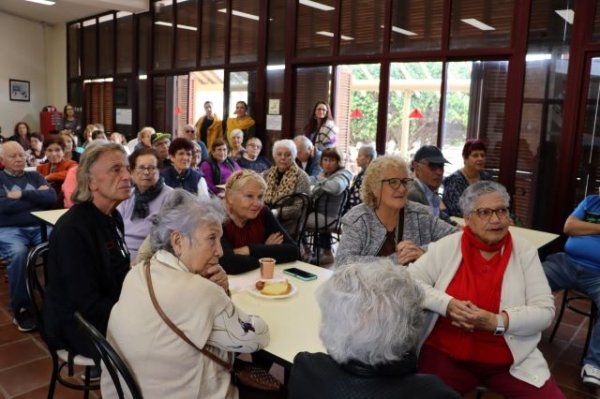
(160, 142)
(428, 166)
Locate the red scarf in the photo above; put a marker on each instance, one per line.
(466, 284)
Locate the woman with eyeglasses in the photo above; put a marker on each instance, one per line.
(148, 194)
(386, 224)
(251, 159)
(490, 302)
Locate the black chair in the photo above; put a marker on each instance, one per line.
(115, 366)
(568, 301)
(291, 212)
(61, 358)
(330, 208)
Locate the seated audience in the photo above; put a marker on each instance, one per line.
(70, 142)
(428, 167)
(70, 121)
(149, 193)
(578, 267)
(99, 135)
(237, 138)
(190, 288)
(55, 170)
(196, 156)
(180, 174)
(218, 167)
(251, 158)
(160, 143)
(252, 232)
(308, 157)
(361, 305)
(21, 134)
(386, 223)
(116, 137)
(144, 138)
(88, 257)
(21, 193)
(189, 132)
(36, 154)
(87, 135)
(334, 180)
(473, 153)
(366, 154)
(490, 303)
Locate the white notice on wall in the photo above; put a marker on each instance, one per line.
(274, 106)
(273, 122)
(123, 116)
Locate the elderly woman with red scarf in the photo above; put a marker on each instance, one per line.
(489, 300)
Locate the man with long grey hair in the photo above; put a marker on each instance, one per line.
(88, 257)
(370, 323)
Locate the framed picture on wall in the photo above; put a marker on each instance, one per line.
(18, 90)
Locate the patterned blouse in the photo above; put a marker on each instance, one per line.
(454, 186)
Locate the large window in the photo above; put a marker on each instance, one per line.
(314, 36)
(416, 25)
(481, 23)
(312, 84)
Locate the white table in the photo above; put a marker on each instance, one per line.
(48, 218)
(535, 237)
(293, 322)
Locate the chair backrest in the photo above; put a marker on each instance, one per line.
(35, 269)
(115, 366)
(292, 211)
(332, 208)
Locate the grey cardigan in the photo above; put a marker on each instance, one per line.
(363, 234)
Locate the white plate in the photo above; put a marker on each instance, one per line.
(259, 294)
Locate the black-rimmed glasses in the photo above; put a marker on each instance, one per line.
(486, 213)
(146, 169)
(396, 182)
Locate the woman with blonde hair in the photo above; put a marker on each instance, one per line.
(252, 232)
(387, 224)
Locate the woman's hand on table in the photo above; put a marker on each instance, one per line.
(274, 239)
(217, 275)
(407, 252)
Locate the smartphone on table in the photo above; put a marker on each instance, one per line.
(301, 274)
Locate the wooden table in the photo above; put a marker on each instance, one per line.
(293, 322)
(48, 218)
(536, 237)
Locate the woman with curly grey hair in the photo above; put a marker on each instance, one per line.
(386, 223)
(189, 287)
(370, 323)
(490, 302)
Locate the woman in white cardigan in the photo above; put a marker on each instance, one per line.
(494, 299)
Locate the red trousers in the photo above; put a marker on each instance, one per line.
(464, 376)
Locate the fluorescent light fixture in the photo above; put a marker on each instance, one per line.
(241, 14)
(275, 67)
(477, 24)
(89, 22)
(344, 37)
(325, 33)
(179, 26)
(105, 18)
(143, 77)
(567, 14)
(401, 31)
(44, 2)
(538, 57)
(314, 4)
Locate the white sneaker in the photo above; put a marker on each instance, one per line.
(590, 375)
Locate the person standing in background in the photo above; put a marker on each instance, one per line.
(242, 121)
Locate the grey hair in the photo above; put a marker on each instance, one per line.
(236, 132)
(146, 129)
(469, 196)
(370, 312)
(188, 126)
(368, 151)
(91, 154)
(286, 143)
(374, 174)
(304, 143)
(184, 212)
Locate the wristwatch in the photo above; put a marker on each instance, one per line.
(500, 329)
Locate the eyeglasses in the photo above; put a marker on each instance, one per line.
(146, 169)
(253, 145)
(486, 213)
(189, 131)
(396, 182)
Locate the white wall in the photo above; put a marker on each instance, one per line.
(37, 53)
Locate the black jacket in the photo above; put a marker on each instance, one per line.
(87, 263)
(318, 376)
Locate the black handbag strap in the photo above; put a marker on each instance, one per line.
(172, 325)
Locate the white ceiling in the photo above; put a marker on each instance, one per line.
(68, 10)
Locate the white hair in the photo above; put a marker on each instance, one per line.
(286, 143)
(468, 198)
(368, 151)
(370, 312)
(184, 212)
(304, 143)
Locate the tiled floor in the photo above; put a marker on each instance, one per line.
(25, 363)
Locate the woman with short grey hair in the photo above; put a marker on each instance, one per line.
(387, 224)
(490, 302)
(190, 288)
(370, 323)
